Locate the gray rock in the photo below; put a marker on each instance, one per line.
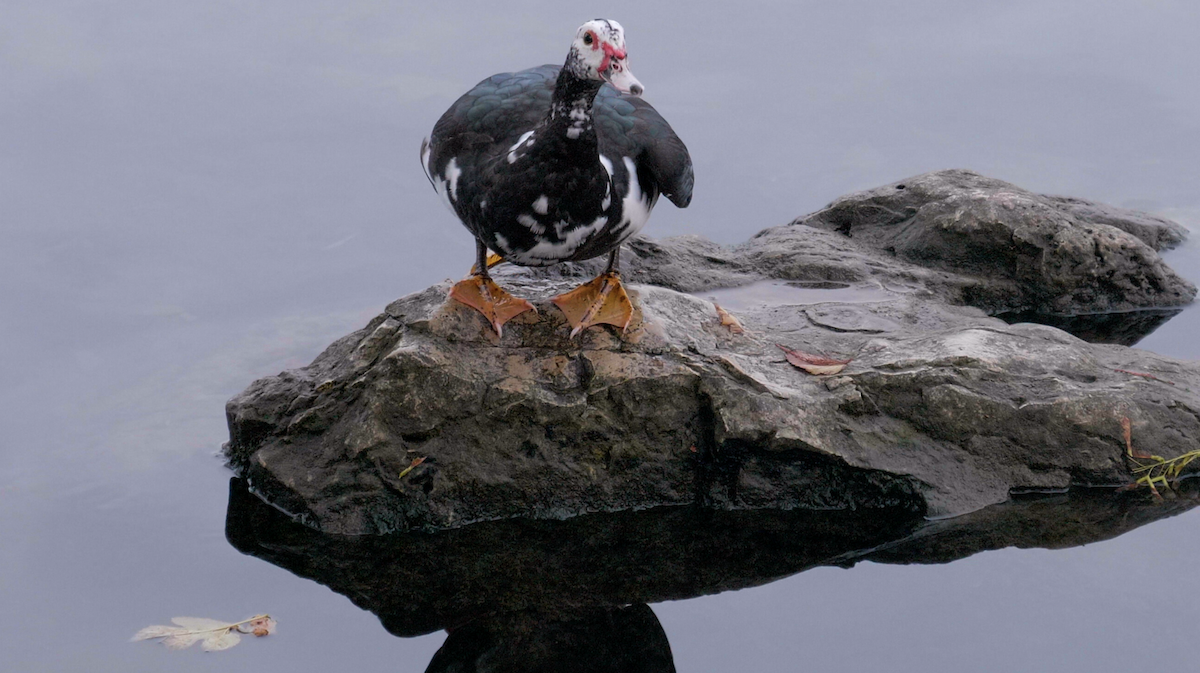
(1041, 253)
(1157, 232)
(942, 411)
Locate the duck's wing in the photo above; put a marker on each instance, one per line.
(629, 126)
(496, 111)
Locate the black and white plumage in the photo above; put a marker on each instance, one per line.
(553, 164)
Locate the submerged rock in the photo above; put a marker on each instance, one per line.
(943, 409)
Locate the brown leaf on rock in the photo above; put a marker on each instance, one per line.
(728, 320)
(1144, 375)
(1127, 431)
(818, 365)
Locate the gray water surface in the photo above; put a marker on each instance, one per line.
(196, 195)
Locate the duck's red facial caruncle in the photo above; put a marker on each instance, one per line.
(600, 47)
(615, 70)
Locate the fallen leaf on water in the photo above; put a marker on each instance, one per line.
(813, 364)
(416, 462)
(728, 320)
(261, 626)
(212, 634)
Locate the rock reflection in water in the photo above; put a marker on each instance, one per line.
(1071, 519)
(550, 595)
(1124, 328)
(418, 583)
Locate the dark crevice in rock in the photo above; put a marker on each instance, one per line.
(705, 450)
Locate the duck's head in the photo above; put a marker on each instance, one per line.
(598, 53)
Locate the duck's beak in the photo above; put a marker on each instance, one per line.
(619, 76)
(617, 71)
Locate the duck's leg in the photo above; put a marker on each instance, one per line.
(481, 293)
(601, 300)
(492, 260)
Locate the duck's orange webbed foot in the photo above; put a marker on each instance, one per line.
(600, 301)
(484, 295)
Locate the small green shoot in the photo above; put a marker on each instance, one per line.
(405, 471)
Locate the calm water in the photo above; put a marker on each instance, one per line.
(193, 197)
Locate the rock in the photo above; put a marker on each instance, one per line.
(1157, 232)
(1042, 253)
(943, 409)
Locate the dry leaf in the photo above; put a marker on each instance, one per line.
(728, 320)
(213, 635)
(813, 364)
(261, 626)
(1144, 375)
(220, 640)
(1127, 430)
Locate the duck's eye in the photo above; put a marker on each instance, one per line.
(587, 39)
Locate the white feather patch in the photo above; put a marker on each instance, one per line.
(452, 173)
(549, 251)
(426, 150)
(635, 208)
(524, 136)
(512, 151)
(502, 245)
(533, 225)
(542, 205)
(579, 120)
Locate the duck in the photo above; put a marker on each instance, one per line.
(556, 164)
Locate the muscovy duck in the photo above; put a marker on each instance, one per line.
(554, 164)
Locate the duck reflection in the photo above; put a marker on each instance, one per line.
(572, 595)
(608, 640)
